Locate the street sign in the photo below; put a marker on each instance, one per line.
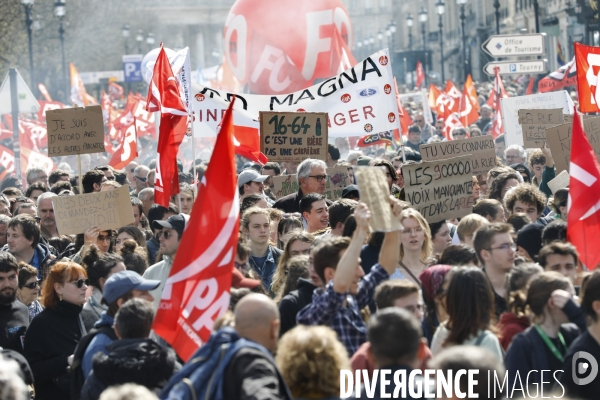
(132, 67)
(515, 45)
(91, 78)
(27, 102)
(516, 67)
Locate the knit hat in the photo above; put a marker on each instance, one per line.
(432, 278)
(530, 239)
(522, 168)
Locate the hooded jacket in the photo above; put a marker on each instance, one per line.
(511, 325)
(44, 255)
(293, 302)
(159, 271)
(141, 361)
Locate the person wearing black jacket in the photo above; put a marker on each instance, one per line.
(293, 302)
(14, 316)
(54, 333)
(312, 178)
(134, 358)
(543, 346)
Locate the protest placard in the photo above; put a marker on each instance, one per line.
(591, 126)
(482, 149)
(550, 116)
(337, 179)
(106, 210)
(375, 193)
(560, 182)
(75, 131)
(534, 136)
(441, 189)
(293, 136)
(559, 141)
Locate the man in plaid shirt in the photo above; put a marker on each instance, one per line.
(337, 261)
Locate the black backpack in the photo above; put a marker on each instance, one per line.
(77, 378)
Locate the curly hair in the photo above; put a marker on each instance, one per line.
(499, 183)
(281, 270)
(528, 194)
(310, 359)
(537, 156)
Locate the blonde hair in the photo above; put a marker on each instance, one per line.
(310, 359)
(281, 270)
(427, 247)
(245, 222)
(469, 224)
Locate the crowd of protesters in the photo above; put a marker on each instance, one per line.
(314, 290)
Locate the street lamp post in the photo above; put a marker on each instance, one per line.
(139, 39)
(125, 33)
(28, 4)
(150, 40)
(497, 7)
(409, 23)
(423, 21)
(466, 66)
(536, 10)
(440, 7)
(59, 12)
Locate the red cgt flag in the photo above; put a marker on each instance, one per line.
(499, 92)
(420, 74)
(128, 150)
(467, 111)
(197, 290)
(163, 96)
(584, 197)
(587, 59)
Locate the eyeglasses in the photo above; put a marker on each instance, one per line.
(505, 246)
(416, 231)
(319, 178)
(418, 120)
(241, 267)
(141, 179)
(37, 219)
(104, 238)
(33, 285)
(165, 234)
(81, 282)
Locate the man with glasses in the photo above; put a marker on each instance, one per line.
(169, 235)
(108, 171)
(459, 133)
(426, 129)
(312, 178)
(92, 181)
(515, 154)
(14, 316)
(496, 252)
(140, 179)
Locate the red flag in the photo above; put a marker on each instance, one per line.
(584, 197)
(405, 119)
(163, 96)
(434, 93)
(115, 91)
(197, 290)
(588, 69)
(467, 112)
(496, 94)
(564, 76)
(420, 74)
(451, 121)
(452, 90)
(472, 92)
(128, 150)
(530, 86)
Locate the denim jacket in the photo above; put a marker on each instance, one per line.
(267, 270)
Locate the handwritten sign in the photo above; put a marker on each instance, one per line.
(75, 131)
(441, 189)
(106, 210)
(560, 182)
(482, 149)
(293, 136)
(550, 116)
(559, 141)
(375, 193)
(337, 179)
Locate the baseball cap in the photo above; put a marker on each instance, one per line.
(125, 281)
(250, 175)
(350, 189)
(177, 222)
(238, 280)
(363, 161)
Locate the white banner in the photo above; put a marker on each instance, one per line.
(359, 101)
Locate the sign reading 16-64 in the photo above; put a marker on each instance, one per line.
(293, 136)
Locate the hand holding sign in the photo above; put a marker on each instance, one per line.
(362, 216)
(374, 192)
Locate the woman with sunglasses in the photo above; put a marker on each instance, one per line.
(54, 333)
(28, 292)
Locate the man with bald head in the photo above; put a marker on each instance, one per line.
(252, 373)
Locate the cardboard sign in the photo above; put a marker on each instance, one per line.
(441, 189)
(106, 210)
(534, 136)
(551, 116)
(560, 182)
(337, 179)
(559, 141)
(482, 149)
(75, 131)
(375, 193)
(293, 136)
(591, 126)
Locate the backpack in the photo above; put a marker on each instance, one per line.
(77, 378)
(202, 376)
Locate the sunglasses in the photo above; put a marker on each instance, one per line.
(33, 285)
(240, 266)
(81, 282)
(166, 234)
(141, 179)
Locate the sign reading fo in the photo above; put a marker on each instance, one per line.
(440, 189)
(75, 131)
(106, 210)
(293, 136)
(481, 148)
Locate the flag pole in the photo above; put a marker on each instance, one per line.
(80, 179)
(196, 183)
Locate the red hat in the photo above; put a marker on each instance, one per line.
(238, 280)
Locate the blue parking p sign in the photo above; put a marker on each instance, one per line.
(132, 67)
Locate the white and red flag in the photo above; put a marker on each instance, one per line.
(499, 92)
(163, 96)
(196, 292)
(467, 110)
(584, 197)
(587, 59)
(127, 152)
(420, 75)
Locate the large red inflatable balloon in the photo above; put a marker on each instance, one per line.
(281, 46)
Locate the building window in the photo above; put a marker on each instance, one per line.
(368, 4)
(382, 4)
